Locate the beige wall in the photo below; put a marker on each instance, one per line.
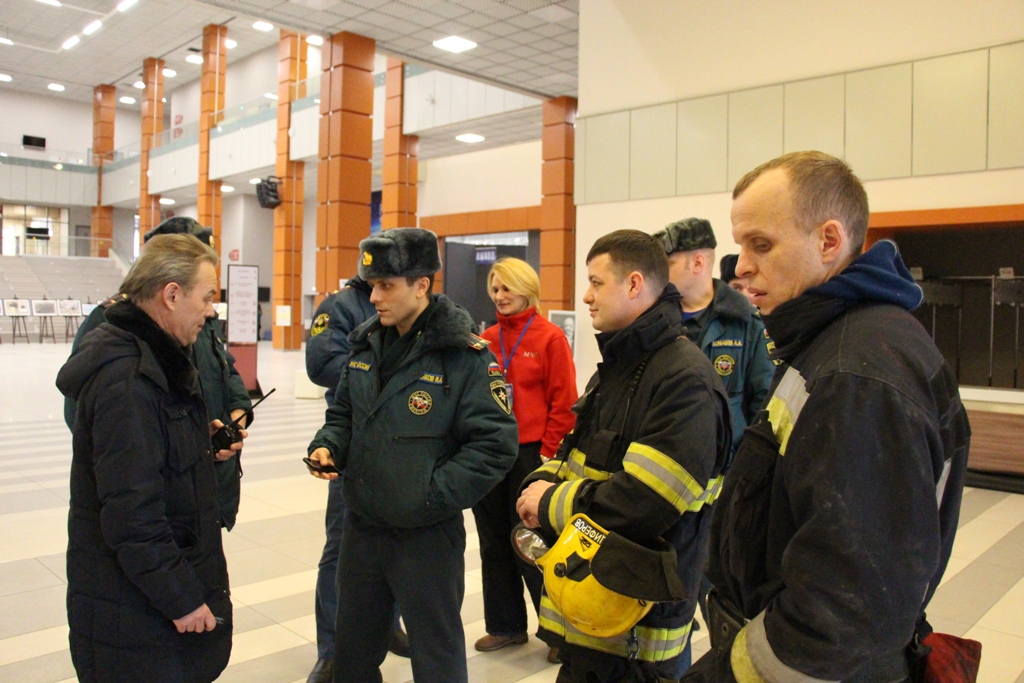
(500, 178)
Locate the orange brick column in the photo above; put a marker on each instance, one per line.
(104, 98)
(287, 289)
(558, 211)
(211, 101)
(398, 201)
(152, 126)
(346, 146)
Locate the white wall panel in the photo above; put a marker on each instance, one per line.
(755, 129)
(459, 99)
(494, 102)
(62, 189)
(18, 182)
(951, 113)
(879, 121)
(379, 102)
(121, 185)
(174, 170)
(702, 145)
(652, 152)
(500, 178)
(77, 191)
(442, 98)
(607, 157)
(34, 184)
(423, 101)
(814, 116)
(5, 181)
(477, 103)
(243, 150)
(1006, 106)
(305, 133)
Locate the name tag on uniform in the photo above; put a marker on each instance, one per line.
(432, 379)
(727, 342)
(359, 365)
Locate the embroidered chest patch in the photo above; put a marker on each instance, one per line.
(420, 403)
(724, 365)
(493, 370)
(359, 365)
(432, 379)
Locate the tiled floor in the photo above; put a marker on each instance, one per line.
(273, 551)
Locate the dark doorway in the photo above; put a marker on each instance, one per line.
(465, 277)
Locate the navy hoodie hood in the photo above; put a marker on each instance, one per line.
(878, 276)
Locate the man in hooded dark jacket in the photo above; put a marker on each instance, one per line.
(148, 596)
(838, 515)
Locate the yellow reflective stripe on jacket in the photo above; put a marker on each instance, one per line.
(578, 468)
(785, 405)
(668, 478)
(551, 467)
(560, 507)
(754, 661)
(709, 496)
(656, 644)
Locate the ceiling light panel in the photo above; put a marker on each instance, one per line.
(127, 100)
(5, 78)
(230, 44)
(53, 3)
(194, 59)
(263, 26)
(71, 42)
(56, 87)
(169, 73)
(92, 28)
(125, 5)
(454, 44)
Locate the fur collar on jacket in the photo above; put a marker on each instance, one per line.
(169, 354)
(449, 327)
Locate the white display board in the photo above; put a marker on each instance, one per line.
(16, 308)
(87, 309)
(44, 308)
(243, 300)
(69, 308)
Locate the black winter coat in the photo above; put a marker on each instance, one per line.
(144, 544)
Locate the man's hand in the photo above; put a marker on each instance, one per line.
(529, 502)
(235, 447)
(323, 457)
(197, 621)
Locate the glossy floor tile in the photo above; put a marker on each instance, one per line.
(275, 546)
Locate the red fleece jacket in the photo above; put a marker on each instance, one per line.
(542, 375)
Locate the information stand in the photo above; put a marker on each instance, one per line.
(71, 311)
(17, 310)
(243, 302)
(46, 311)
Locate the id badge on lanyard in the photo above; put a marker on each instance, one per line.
(507, 361)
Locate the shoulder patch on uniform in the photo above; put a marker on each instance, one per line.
(727, 342)
(320, 324)
(359, 365)
(117, 298)
(478, 343)
(493, 370)
(432, 379)
(500, 395)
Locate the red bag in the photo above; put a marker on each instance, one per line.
(951, 660)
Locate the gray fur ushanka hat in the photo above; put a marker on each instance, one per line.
(181, 224)
(687, 235)
(399, 252)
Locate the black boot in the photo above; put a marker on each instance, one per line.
(323, 672)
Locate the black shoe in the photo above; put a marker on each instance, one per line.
(399, 644)
(323, 672)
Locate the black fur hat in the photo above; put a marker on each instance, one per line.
(728, 267)
(687, 235)
(181, 224)
(399, 252)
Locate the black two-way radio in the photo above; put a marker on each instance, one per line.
(228, 434)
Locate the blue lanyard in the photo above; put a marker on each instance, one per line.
(501, 340)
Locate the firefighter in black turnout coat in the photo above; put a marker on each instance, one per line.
(421, 428)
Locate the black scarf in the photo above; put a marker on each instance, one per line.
(172, 356)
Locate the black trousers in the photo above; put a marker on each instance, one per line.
(421, 569)
(503, 571)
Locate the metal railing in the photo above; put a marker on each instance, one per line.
(183, 132)
(46, 156)
(243, 110)
(307, 88)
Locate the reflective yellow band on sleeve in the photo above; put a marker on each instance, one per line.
(668, 478)
(560, 507)
(551, 467)
(709, 496)
(754, 661)
(656, 644)
(785, 405)
(578, 468)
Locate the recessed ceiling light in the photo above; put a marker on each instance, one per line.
(255, 181)
(166, 201)
(315, 40)
(71, 42)
(163, 99)
(3, 154)
(316, 101)
(454, 44)
(170, 73)
(58, 166)
(270, 95)
(92, 28)
(125, 4)
(127, 100)
(263, 26)
(230, 44)
(470, 137)
(140, 85)
(55, 3)
(56, 87)
(194, 59)
(6, 41)
(5, 78)
(226, 188)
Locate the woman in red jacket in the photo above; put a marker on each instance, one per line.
(533, 356)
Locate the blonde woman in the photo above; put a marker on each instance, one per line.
(533, 356)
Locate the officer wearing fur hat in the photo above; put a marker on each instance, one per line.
(422, 429)
(719, 320)
(223, 389)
